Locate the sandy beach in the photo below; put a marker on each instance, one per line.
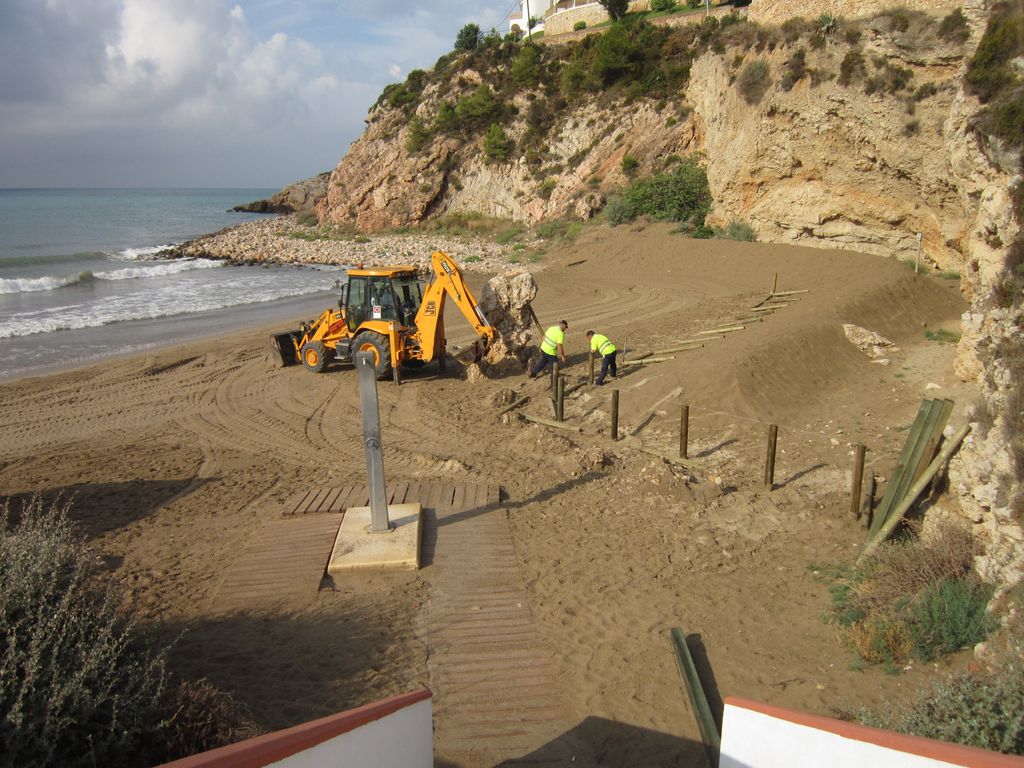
(178, 459)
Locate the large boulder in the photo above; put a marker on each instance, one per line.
(505, 302)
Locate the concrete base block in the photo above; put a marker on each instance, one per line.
(356, 549)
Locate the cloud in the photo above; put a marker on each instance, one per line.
(201, 92)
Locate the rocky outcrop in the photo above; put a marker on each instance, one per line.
(821, 164)
(300, 196)
(985, 472)
(777, 11)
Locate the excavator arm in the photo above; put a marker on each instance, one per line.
(447, 283)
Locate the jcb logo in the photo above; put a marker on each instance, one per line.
(431, 309)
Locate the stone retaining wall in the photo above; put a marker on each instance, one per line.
(777, 11)
(563, 21)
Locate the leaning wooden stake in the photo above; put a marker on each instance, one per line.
(550, 423)
(684, 431)
(729, 329)
(540, 328)
(646, 361)
(698, 700)
(560, 407)
(790, 293)
(615, 414)
(896, 516)
(769, 464)
(858, 478)
(513, 406)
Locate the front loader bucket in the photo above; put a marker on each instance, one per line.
(282, 348)
(471, 354)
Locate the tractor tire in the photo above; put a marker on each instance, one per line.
(316, 355)
(380, 346)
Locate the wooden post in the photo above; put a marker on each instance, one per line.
(775, 284)
(769, 465)
(684, 431)
(590, 376)
(560, 407)
(615, 414)
(858, 479)
(554, 380)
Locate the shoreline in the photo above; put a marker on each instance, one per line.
(282, 240)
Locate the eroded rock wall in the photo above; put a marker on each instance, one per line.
(777, 11)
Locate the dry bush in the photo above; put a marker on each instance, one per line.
(205, 717)
(899, 571)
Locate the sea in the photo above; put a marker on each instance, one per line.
(81, 278)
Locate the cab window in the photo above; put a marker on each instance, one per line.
(358, 307)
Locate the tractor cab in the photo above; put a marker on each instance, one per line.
(389, 294)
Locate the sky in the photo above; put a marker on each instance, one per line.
(205, 93)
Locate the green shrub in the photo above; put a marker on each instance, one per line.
(527, 66)
(990, 71)
(497, 145)
(547, 187)
(979, 710)
(682, 194)
(853, 67)
(469, 38)
(581, 24)
(446, 121)
(827, 25)
(663, 6)
(629, 164)
(754, 80)
(478, 108)
(918, 598)
(507, 236)
(950, 615)
(419, 135)
(618, 210)
(694, 4)
(911, 127)
(737, 229)
(942, 335)
(79, 684)
(795, 70)
(793, 29)
(954, 27)
(616, 8)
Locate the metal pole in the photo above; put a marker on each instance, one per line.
(769, 465)
(684, 431)
(379, 522)
(858, 479)
(560, 407)
(615, 414)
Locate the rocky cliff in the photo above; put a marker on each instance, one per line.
(295, 198)
(858, 136)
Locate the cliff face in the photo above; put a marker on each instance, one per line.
(824, 164)
(848, 155)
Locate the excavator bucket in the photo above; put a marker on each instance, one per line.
(471, 354)
(283, 349)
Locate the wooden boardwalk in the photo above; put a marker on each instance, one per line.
(495, 696)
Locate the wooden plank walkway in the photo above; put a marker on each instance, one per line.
(495, 696)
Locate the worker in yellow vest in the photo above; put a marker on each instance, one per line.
(551, 349)
(602, 345)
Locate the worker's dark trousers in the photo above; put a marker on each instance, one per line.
(607, 364)
(544, 362)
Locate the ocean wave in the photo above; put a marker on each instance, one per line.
(48, 283)
(154, 269)
(115, 311)
(133, 254)
(158, 269)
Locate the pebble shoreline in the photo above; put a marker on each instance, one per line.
(282, 240)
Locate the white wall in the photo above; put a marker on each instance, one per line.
(761, 736)
(400, 740)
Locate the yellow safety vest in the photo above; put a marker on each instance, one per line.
(553, 336)
(601, 344)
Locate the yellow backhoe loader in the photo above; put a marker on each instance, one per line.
(389, 312)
